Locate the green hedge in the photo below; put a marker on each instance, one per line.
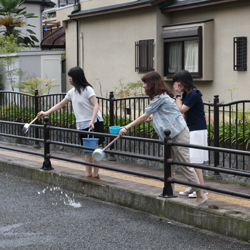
(232, 132)
(227, 132)
(67, 120)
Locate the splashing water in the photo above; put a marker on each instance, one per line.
(66, 199)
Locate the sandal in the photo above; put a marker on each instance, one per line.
(89, 175)
(97, 177)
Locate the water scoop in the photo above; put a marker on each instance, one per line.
(99, 154)
(26, 126)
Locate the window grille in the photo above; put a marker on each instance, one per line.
(144, 56)
(62, 3)
(240, 53)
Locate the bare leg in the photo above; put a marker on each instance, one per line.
(199, 193)
(88, 158)
(201, 179)
(201, 197)
(96, 170)
(200, 175)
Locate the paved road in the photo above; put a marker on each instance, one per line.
(34, 216)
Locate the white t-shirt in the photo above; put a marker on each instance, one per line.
(83, 108)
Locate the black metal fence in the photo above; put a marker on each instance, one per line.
(228, 123)
(166, 160)
(229, 127)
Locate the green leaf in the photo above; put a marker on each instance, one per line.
(31, 31)
(34, 38)
(16, 10)
(31, 25)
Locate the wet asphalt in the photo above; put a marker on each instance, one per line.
(35, 216)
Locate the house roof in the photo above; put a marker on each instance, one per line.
(115, 8)
(55, 40)
(47, 3)
(190, 4)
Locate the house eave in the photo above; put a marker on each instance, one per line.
(115, 8)
(46, 3)
(192, 5)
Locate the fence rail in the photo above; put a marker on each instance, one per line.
(166, 160)
(168, 180)
(228, 123)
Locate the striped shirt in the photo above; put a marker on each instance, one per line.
(166, 115)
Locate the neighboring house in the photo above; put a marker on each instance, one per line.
(122, 40)
(35, 61)
(37, 7)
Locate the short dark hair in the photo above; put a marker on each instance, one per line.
(185, 78)
(155, 85)
(78, 77)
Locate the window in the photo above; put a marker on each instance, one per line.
(183, 50)
(240, 53)
(144, 56)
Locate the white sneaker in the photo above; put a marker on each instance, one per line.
(188, 191)
(193, 195)
(205, 192)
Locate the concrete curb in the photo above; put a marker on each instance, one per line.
(221, 221)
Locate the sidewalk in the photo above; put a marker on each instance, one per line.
(123, 189)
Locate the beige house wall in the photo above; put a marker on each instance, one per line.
(161, 20)
(230, 20)
(71, 50)
(62, 14)
(108, 47)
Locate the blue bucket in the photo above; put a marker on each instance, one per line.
(90, 142)
(114, 130)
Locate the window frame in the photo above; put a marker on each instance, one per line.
(182, 35)
(140, 47)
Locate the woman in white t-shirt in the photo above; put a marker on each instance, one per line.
(86, 110)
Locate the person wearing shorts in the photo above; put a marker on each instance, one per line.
(86, 110)
(191, 106)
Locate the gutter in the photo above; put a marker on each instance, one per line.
(184, 5)
(115, 8)
(77, 33)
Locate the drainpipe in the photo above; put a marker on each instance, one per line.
(77, 35)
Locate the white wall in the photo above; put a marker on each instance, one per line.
(51, 68)
(42, 64)
(15, 79)
(36, 9)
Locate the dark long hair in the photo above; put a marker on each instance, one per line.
(185, 78)
(155, 85)
(78, 78)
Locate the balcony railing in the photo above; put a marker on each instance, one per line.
(62, 3)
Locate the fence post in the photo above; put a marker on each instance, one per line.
(46, 132)
(37, 145)
(167, 190)
(216, 136)
(111, 122)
